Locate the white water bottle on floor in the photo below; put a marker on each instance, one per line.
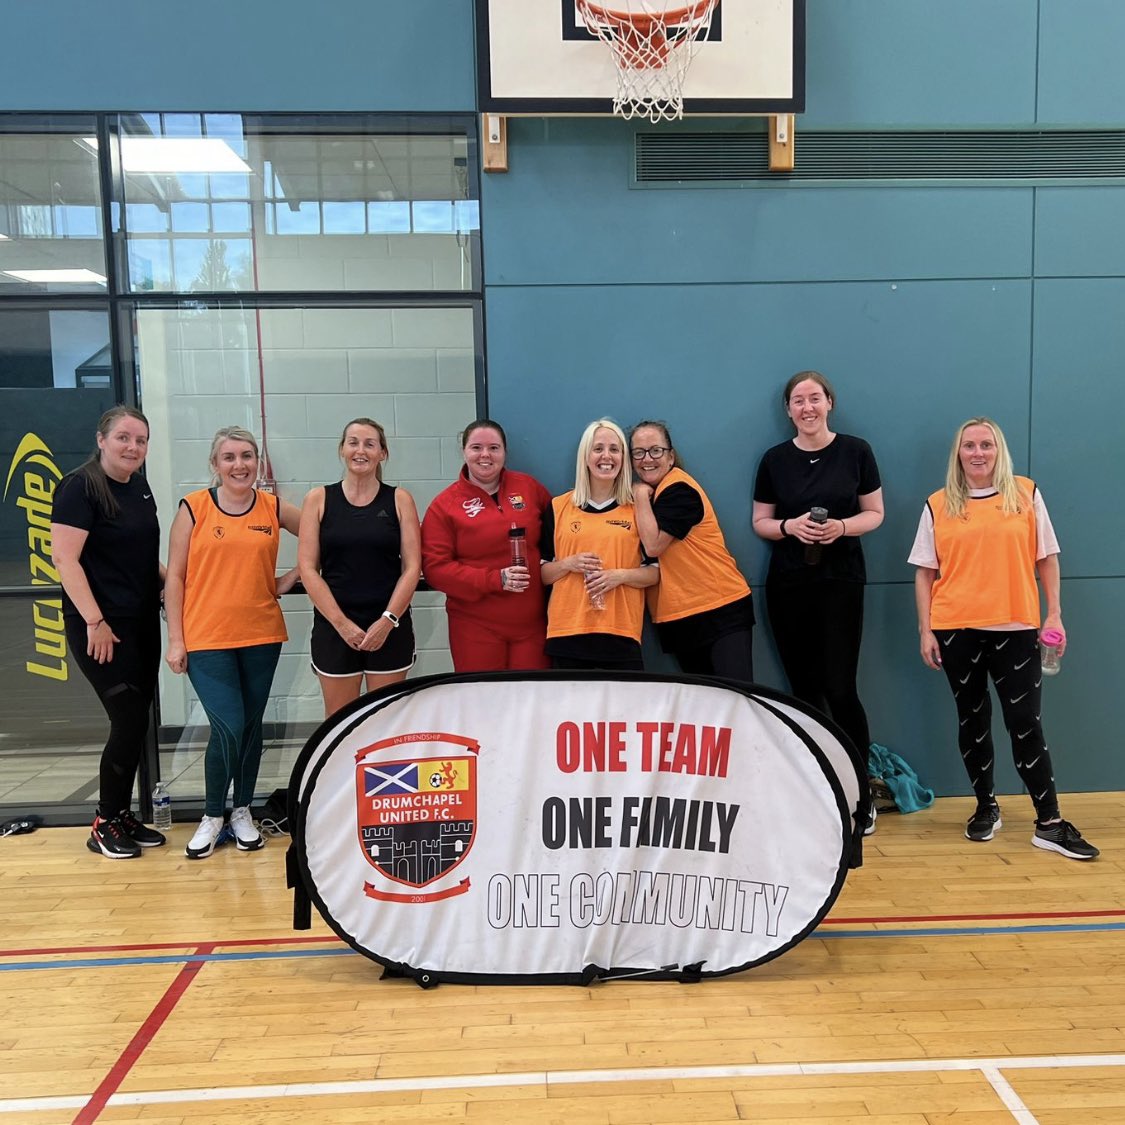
(161, 807)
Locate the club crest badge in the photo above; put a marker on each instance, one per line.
(416, 813)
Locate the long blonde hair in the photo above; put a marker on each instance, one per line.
(623, 486)
(1013, 496)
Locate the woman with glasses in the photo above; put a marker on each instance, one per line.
(702, 608)
(598, 573)
(495, 608)
(814, 497)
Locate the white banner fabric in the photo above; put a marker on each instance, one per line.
(558, 826)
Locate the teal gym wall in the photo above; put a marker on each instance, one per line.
(924, 302)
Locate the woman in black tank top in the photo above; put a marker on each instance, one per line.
(360, 561)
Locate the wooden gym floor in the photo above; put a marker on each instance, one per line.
(982, 984)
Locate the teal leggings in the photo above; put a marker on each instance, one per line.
(233, 684)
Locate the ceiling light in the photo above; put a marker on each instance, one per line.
(172, 155)
(65, 277)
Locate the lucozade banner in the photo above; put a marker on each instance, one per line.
(562, 826)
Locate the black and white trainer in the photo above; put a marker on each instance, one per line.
(984, 822)
(140, 833)
(1064, 838)
(110, 839)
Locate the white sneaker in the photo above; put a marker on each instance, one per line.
(246, 836)
(202, 844)
(869, 828)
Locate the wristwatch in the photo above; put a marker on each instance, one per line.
(391, 618)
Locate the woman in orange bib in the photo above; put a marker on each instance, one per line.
(225, 627)
(981, 543)
(597, 569)
(702, 609)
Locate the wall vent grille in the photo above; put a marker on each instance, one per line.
(719, 157)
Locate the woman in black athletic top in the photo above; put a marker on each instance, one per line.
(360, 559)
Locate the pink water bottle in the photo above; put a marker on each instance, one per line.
(1049, 641)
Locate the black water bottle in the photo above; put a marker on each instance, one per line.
(813, 550)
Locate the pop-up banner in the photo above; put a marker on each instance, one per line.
(559, 827)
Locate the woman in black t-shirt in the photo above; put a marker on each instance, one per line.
(105, 542)
(360, 558)
(814, 587)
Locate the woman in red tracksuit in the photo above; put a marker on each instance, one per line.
(496, 611)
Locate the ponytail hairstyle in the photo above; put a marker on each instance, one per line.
(229, 433)
(677, 460)
(93, 475)
(382, 441)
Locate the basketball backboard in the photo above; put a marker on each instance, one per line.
(537, 58)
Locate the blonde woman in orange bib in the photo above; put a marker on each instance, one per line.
(598, 572)
(225, 627)
(982, 541)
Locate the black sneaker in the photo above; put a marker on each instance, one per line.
(110, 838)
(983, 823)
(1065, 839)
(140, 833)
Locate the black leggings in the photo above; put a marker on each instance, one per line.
(730, 656)
(968, 658)
(125, 686)
(818, 627)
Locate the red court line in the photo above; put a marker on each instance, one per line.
(889, 919)
(144, 1036)
(152, 945)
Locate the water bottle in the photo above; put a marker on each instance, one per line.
(1049, 641)
(161, 807)
(813, 551)
(597, 601)
(517, 540)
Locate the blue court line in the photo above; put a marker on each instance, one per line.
(173, 959)
(268, 955)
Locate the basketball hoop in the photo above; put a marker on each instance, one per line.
(653, 44)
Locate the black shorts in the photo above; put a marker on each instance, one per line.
(331, 655)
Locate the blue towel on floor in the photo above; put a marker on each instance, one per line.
(898, 775)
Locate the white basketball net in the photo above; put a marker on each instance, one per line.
(653, 43)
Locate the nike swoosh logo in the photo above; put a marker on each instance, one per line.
(962, 722)
(982, 737)
(978, 706)
(997, 679)
(1017, 698)
(814, 460)
(1028, 765)
(1002, 644)
(975, 658)
(945, 641)
(965, 677)
(147, 496)
(1039, 681)
(1019, 666)
(1025, 733)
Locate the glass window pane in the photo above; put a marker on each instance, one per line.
(52, 727)
(200, 368)
(320, 204)
(50, 215)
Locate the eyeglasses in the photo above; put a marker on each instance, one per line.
(653, 451)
